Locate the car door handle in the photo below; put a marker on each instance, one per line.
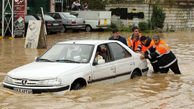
(113, 69)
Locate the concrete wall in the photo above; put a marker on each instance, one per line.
(177, 18)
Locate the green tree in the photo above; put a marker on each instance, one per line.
(158, 17)
(97, 4)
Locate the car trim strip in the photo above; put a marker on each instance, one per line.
(110, 77)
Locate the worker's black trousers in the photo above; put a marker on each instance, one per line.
(174, 67)
(155, 67)
(154, 64)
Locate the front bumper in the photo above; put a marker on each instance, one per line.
(36, 90)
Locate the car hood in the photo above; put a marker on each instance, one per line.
(43, 70)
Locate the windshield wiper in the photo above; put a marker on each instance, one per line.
(44, 60)
(67, 60)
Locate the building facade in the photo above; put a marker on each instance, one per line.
(178, 17)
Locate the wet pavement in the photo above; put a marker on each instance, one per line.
(160, 91)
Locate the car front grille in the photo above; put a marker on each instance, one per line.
(24, 82)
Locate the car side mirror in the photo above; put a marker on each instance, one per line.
(101, 61)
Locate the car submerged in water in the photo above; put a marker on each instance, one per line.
(72, 65)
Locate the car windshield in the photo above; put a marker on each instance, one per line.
(68, 53)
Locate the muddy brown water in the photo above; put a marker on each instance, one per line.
(159, 91)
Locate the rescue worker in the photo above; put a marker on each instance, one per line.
(133, 41)
(165, 57)
(116, 36)
(147, 48)
(146, 43)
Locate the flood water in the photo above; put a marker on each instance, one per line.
(159, 91)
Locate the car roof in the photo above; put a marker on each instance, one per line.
(92, 42)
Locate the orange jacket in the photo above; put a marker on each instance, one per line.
(162, 48)
(133, 44)
(144, 48)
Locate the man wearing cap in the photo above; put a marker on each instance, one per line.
(133, 41)
(147, 47)
(116, 36)
(165, 57)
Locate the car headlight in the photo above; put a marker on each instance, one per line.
(50, 82)
(8, 79)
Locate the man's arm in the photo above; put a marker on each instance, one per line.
(150, 53)
(150, 50)
(139, 48)
(130, 43)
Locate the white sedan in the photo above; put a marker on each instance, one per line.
(72, 65)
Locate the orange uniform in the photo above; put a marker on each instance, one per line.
(133, 44)
(144, 48)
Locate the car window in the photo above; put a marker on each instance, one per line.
(118, 52)
(69, 53)
(55, 15)
(104, 53)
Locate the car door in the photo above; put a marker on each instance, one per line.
(105, 71)
(123, 61)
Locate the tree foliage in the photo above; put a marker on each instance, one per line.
(143, 25)
(158, 17)
(97, 4)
